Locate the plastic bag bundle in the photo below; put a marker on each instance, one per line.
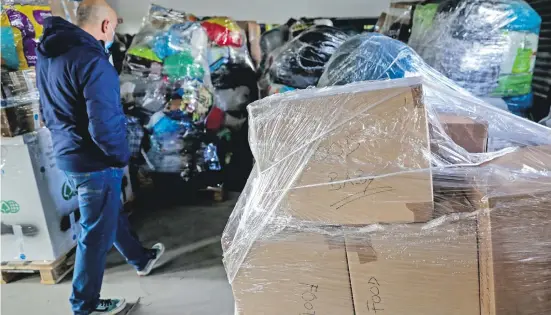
(405, 195)
(178, 146)
(171, 50)
(369, 56)
(486, 47)
(300, 62)
(232, 69)
(166, 74)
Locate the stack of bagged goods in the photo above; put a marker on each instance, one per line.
(37, 206)
(166, 85)
(21, 28)
(366, 57)
(233, 76)
(487, 47)
(385, 197)
(232, 69)
(300, 62)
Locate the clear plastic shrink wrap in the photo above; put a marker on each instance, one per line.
(21, 26)
(487, 47)
(299, 63)
(383, 197)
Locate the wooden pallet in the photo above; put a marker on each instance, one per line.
(51, 272)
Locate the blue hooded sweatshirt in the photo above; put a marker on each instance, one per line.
(80, 99)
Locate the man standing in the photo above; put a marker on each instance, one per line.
(80, 104)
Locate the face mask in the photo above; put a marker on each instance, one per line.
(109, 43)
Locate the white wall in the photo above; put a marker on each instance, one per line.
(265, 11)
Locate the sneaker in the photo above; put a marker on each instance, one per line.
(109, 307)
(159, 249)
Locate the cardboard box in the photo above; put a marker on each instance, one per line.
(295, 273)
(378, 130)
(19, 119)
(515, 234)
(453, 190)
(19, 86)
(414, 269)
(453, 187)
(37, 202)
(468, 133)
(253, 33)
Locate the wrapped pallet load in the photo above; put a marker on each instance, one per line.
(487, 47)
(385, 197)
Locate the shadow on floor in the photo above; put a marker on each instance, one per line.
(190, 231)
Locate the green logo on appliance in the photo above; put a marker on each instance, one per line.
(67, 191)
(9, 206)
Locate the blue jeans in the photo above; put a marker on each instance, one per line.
(102, 225)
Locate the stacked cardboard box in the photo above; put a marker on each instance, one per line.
(377, 131)
(19, 113)
(515, 233)
(295, 272)
(411, 269)
(375, 231)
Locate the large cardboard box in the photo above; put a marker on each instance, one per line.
(514, 208)
(37, 202)
(371, 162)
(20, 111)
(470, 134)
(295, 273)
(19, 119)
(415, 269)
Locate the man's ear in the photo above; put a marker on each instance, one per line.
(105, 26)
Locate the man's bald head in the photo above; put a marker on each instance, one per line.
(97, 18)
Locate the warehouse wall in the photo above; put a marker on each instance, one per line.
(266, 11)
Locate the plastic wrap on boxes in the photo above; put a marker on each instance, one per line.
(486, 47)
(386, 197)
(19, 103)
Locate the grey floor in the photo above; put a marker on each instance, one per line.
(189, 280)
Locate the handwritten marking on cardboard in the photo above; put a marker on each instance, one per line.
(338, 183)
(366, 189)
(341, 148)
(352, 178)
(308, 297)
(375, 299)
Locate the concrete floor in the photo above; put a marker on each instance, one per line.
(190, 279)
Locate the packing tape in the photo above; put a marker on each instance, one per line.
(362, 247)
(422, 211)
(18, 232)
(73, 226)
